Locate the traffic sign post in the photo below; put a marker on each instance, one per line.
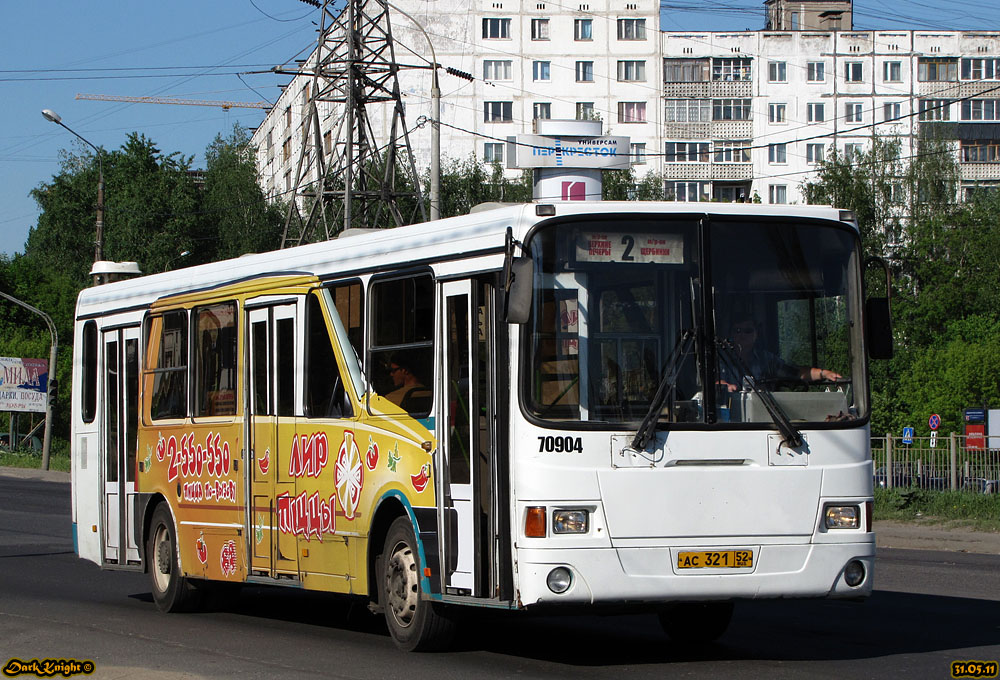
(933, 439)
(908, 435)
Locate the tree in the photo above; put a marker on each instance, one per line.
(234, 209)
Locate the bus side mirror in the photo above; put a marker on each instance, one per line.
(878, 328)
(518, 302)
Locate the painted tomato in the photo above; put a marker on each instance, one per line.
(264, 463)
(371, 460)
(419, 481)
(202, 551)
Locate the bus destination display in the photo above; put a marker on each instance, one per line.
(596, 246)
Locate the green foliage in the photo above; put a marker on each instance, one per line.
(946, 278)
(468, 182)
(982, 511)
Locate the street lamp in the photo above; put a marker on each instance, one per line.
(435, 211)
(51, 115)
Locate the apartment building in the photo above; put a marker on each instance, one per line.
(720, 115)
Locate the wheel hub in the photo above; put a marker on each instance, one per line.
(401, 584)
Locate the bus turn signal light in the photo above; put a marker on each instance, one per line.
(534, 523)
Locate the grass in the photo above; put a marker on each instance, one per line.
(951, 508)
(29, 458)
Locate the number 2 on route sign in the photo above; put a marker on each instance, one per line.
(934, 422)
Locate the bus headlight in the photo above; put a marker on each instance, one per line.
(559, 580)
(842, 517)
(570, 521)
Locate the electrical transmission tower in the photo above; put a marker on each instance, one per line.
(352, 179)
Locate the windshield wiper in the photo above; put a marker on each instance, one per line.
(647, 428)
(792, 437)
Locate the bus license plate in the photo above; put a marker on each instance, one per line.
(715, 559)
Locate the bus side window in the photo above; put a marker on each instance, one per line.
(89, 392)
(325, 394)
(215, 360)
(165, 375)
(350, 307)
(401, 344)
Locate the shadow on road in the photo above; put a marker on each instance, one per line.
(889, 623)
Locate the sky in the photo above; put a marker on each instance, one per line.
(217, 50)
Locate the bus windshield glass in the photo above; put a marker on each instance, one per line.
(756, 309)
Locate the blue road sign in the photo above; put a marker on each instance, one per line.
(907, 435)
(934, 422)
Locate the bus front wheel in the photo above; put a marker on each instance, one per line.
(415, 624)
(696, 622)
(172, 592)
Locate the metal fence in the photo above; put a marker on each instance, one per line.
(950, 464)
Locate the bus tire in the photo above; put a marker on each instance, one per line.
(172, 592)
(415, 624)
(696, 622)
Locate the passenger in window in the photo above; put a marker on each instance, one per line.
(761, 364)
(410, 393)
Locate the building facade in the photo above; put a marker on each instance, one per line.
(719, 115)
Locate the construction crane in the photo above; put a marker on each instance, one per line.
(169, 100)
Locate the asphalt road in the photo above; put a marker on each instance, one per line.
(929, 609)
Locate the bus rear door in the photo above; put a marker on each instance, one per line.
(119, 441)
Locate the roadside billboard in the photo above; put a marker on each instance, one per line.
(23, 384)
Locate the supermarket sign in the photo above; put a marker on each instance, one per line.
(23, 384)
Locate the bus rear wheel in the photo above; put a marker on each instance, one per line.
(416, 624)
(696, 622)
(172, 592)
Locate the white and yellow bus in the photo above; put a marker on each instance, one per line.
(533, 405)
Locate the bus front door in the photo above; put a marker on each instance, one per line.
(466, 435)
(119, 441)
(271, 426)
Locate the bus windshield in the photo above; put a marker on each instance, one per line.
(755, 309)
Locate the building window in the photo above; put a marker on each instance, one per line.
(631, 112)
(727, 70)
(852, 151)
(814, 153)
(980, 152)
(631, 29)
(852, 112)
(686, 152)
(584, 71)
(776, 113)
(328, 141)
(583, 29)
(493, 152)
(687, 111)
(892, 111)
(777, 153)
(795, 21)
(498, 112)
(685, 70)
(815, 112)
(981, 69)
(731, 151)
(286, 150)
(777, 193)
(731, 109)
(496, 69)
(632, 71)
(892, 71)
(541, 71)
(288, 116)
(542, 111)
(853, 71)
(934, 109)
(937, 69)
(687, 191)
(815, 71)
(585, 110)
(637, 152)
(777, 72)
(496, 29)
(981, 109)
(539, 29)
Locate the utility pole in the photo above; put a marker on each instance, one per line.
(349, 180)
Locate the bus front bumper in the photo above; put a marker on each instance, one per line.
(654, 575)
